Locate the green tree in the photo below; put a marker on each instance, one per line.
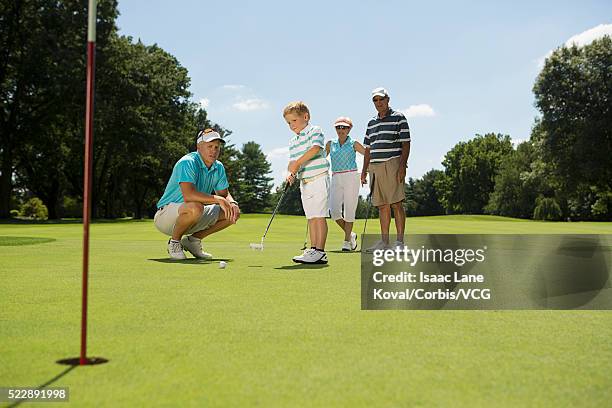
(602, 207)
(145, 122)
(573, 91)
(292, 202)
(470, 171)
(410, 203)
(42, 82)
(423, 195)
(516, 187)
(546, 209)
(362, 209)
(255, 182)
(35, 209)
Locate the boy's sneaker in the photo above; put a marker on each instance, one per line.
(353, 241)
(194, 246)
(379, 245)
(175, 250)
(300, 258)
(311, 256)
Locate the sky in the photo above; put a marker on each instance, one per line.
(456, 69)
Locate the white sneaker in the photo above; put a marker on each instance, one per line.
(346, 246)
(311, 256)
(175, 250)
(353, 241)
(399, 244)
(299, 258)
(379, 245)
(194, 246)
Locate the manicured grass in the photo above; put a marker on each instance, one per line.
(267, 332)
(14, 241)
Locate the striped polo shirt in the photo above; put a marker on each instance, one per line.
(342, 155)
(384, 136)
(310, 136)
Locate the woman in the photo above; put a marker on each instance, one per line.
(345, 180)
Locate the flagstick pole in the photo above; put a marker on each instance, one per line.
(89, 111)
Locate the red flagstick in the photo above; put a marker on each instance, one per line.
(89, 111)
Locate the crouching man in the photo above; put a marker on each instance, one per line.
(196, 202)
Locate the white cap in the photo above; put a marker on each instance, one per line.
(380, 92)
(209, 137)
(343, 121)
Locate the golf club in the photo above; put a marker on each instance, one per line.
(305, 237)
(260, 246)
(365, 225)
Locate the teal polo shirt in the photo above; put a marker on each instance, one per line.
(191, 169)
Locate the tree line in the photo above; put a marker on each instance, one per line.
(145, 120)
(564, 170)
(144, 117)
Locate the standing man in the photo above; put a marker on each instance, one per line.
(196, 202)
(387, 147)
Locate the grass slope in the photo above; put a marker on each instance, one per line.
(268, 332)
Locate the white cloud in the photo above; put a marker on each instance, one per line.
(278, 152)
(253, 104)
(233, 87)
(239, 97)
(590, 35)
(204, 103)
(421, 110)
(582, 39)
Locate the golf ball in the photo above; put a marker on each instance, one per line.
(222, 264)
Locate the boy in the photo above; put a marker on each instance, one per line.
(308, 164)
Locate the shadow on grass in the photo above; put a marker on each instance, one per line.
(190, 260)
(302, 266)
(45, 385)
(344, 252)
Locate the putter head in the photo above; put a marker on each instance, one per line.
(258, 247)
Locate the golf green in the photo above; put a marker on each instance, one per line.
(267, 332)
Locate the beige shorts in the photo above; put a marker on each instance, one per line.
(165, 218)
(314, 197)
(386, 188)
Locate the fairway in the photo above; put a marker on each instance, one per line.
(268, 332)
